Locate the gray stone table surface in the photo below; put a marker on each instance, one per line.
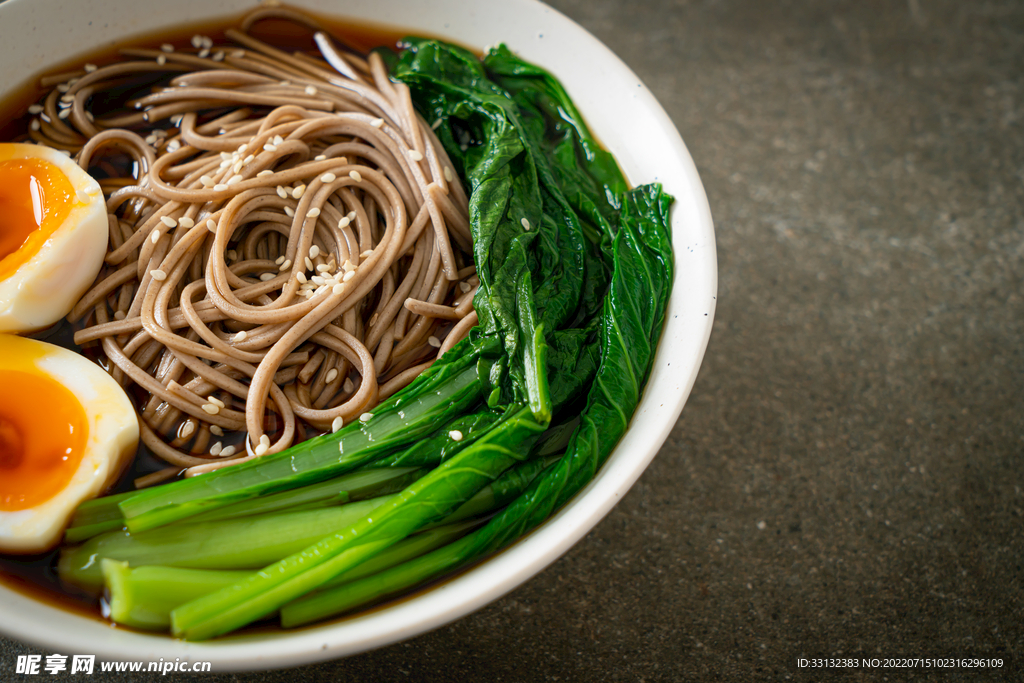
(847, 476)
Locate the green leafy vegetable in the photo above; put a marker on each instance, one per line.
(574, 271)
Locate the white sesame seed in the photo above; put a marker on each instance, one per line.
(455, 434)
(317, 280)
(313, 213)
(434, 341)
(526, 224)
(214, 429)
(285, 266)
(220, 187)
(415, 155)
(328, 178)
(197, 41)
(64, 114)
(161, 60)
(299, 191)
(231, 254)
(265, 441)
(35, 109)
(337, 424)
(278, 140)
(266, 277)
(348, 386)
(207, 181)
(215, 401)
(338, 289)
(448, 175)
(237, 166)
(261, 449)
(348, 276)
(45, 118)
(167, 47)
(343, 223)
(155, 237)
(228, 451)
(158, 275)
(332, 375)
(186, 429)
(218, 56)
(288, 211)
(279, 260)
(309, 263)
(320, 157)
(247, 159)
(366, 417)
(435, 124)
(281, 192)
(211, 409)
(355, 175)
(263, 174)
(210, 225)
(173, 146)
(366, 254)
(465, 287)
(300, 276)
(323, 268)
(63, 87)
(377, 123)
(269, 147)
(34, 125)
(186, 222)
(314, 251)
(310, 90)
(216, 448)
(351, 214)
(238, 54)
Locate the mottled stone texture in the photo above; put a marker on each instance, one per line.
(847, 476)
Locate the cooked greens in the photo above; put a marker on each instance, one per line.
(575, 271)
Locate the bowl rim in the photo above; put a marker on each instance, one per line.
(684, 340)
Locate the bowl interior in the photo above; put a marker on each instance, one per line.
(624, 116)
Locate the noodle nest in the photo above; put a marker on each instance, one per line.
(289, 243)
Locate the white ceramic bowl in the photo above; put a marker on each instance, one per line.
(625, 117)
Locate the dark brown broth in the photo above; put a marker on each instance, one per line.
(36, 576)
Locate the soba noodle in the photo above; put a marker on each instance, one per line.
(290, 248)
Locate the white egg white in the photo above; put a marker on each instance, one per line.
(46, 287)
(111, 444)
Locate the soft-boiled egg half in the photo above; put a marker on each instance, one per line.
(53, 235)
(67, 430)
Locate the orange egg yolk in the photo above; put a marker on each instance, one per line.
(35, 199)
(43, 432)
